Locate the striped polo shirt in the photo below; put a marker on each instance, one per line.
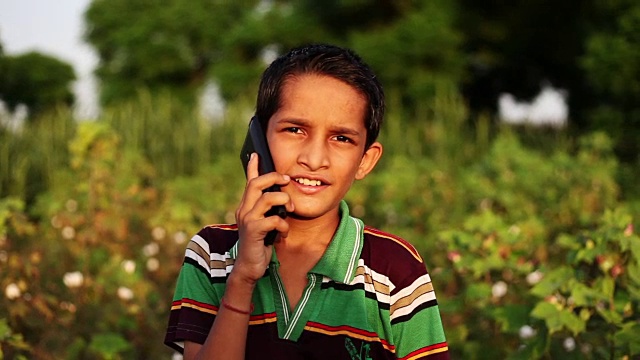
(369, 297)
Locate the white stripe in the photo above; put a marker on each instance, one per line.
(424, 279)
(219, 257)
(301, 306)
(207, 265)
(431, 295)
(377, 277)
(354, 254)
(202, 243)
(195, 256)
(283, 297)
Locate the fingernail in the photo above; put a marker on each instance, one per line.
(286, 177)
(253, 156)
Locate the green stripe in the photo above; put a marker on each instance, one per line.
(425, 324)
(195, 285)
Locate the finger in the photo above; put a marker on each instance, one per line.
(256, 186)
(261, 227)
(252, 167)
(265, 181)
(252, 173)
(266, 202)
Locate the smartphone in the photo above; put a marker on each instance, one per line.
(256, 141)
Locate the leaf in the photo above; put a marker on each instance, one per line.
(583, 295)
(549, 313)
(634, 245)
(552, 281)
(533, 349)
(628, 336)
(5, 330)
(109, 344)
(556, 318)
(610, 316)
(606, 286)
(478, 293)
(511, 317)
(572, 322)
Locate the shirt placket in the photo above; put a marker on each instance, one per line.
(291, 324)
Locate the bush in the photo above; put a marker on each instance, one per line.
(531, 247)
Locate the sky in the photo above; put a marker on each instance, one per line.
(55, 28)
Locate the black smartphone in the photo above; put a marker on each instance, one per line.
(256, 141)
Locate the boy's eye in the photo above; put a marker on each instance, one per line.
(295, 130)
(342, 138)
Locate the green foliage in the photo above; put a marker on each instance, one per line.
(159, 44)
(36, 80)
(551, 222)
(612, 66)
(180, 45)
(530, 246)
(29, 157)
(427, 45)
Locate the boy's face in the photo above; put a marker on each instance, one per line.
(317, 137)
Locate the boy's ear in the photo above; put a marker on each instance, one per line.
(369, 160)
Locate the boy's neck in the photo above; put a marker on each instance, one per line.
(311, 233)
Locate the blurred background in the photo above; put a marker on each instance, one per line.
(512, 153)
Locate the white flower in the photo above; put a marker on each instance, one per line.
(153, 264)
(68, 232)
(151, 249)
(527, 332)
(534, 277)
(158, 233)
(12, 291)
(129, 266)
(73, 279)
(71, 205)
(499, 289)
(569, 344)
(180, 237)
(125, 293)
(56, 222)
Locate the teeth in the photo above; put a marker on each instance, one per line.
(309, 182)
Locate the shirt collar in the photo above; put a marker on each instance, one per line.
(340, 260)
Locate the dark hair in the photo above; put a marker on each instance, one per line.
(320, 59)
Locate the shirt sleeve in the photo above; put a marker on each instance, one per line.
(197, 294)
(415, 317)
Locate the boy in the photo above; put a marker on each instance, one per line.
(329, 287)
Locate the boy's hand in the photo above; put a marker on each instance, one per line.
(253, 255)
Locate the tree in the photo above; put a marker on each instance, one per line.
(181, 44)
(38, 81)
(612, 67)
(158, 44)
(514, 46)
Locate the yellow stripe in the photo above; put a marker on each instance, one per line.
(199, 308)
(430, 352)
(351, 334)
(209, 311)
(413, 252)
(263, 321)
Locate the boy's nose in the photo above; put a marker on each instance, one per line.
(314, 154)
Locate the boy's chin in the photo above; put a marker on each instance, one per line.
(311, 212)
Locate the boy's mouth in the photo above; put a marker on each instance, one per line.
(308, 182)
